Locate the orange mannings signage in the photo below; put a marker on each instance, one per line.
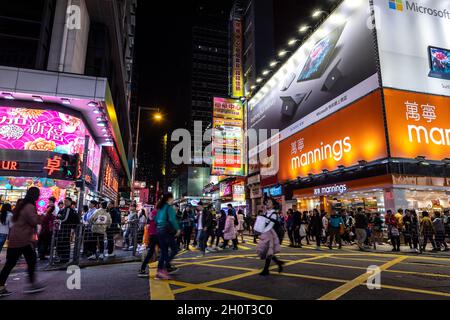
(346, 137)
(418, 124)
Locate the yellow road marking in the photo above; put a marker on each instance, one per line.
(159, 290)
(429, 292)
(432, 275)
(245, 275)
(358, 259)
(342, 290)
(191, 287)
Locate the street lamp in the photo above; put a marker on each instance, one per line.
(158, 116)
(317, 13)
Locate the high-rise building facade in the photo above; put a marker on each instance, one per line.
(65, 89)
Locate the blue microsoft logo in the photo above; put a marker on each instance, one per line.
(396, 5)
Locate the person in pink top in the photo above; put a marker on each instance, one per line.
(152, 243)
(21, 242)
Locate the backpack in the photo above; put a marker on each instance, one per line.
(335, 221)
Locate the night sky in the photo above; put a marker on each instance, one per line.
(162, 42)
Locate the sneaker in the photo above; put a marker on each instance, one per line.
(110, 255)
(318, 248)
(4, 292)
(35, 288)
(162, 275)
(93, 257)
(172, 269)
(101, 257)
(143, 274)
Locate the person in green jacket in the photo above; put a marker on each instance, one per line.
(168, 230)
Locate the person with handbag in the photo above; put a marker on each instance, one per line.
(269, 244)
(168, 230)
(21, 242)
(152, 243)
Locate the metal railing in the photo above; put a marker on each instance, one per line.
(78, 244)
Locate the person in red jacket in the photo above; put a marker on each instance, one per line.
(46, 233)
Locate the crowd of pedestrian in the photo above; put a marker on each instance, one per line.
(369, 229)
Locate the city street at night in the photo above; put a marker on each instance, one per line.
(224, 158)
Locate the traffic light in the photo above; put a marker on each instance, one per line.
(70, 166)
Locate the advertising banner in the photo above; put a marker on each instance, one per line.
(228, 138)
(418, 125)
(41, 130)
(239, 192)
(353, 134)
(414, 44)
(47, 130)
(333, 68)
(237, 77)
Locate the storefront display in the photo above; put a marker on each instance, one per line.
(378, 194)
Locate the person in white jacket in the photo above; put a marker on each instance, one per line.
(100, 221)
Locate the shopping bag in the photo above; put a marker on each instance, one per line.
(263, 224)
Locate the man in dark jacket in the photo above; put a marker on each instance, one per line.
(116, 220)
(296, 223)
(361, 224)
(204, 226)
(69, 220)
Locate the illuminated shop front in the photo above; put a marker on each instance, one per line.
(378, 194)
(45, 148)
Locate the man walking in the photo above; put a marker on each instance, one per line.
(361, 225)
(204, 226)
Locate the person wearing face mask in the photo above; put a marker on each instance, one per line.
(167, 230)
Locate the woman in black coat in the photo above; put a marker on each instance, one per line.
(316, 227)
(220, 227)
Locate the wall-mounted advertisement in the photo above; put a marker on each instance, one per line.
(41, 130)
(335, 67)
(239, 192)
(414, 44)
(228, 138)
(345, 138)
(237, 76)
(418, 125)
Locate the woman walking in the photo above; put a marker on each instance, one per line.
(21, 242)
(316, 227)
(5, 224)
(221, 220)
(168, 230)
(187, 225)
(269, 244)
(229, 232)
(152, 243)
(240, 228)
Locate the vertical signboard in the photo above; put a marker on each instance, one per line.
(228, 138)
(237, 76)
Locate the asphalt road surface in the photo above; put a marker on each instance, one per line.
(233, 275)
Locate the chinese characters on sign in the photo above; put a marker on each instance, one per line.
(53, 164)
(237, 70)
(228, 138)
(412, 112)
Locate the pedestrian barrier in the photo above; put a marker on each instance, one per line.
(93, 243)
